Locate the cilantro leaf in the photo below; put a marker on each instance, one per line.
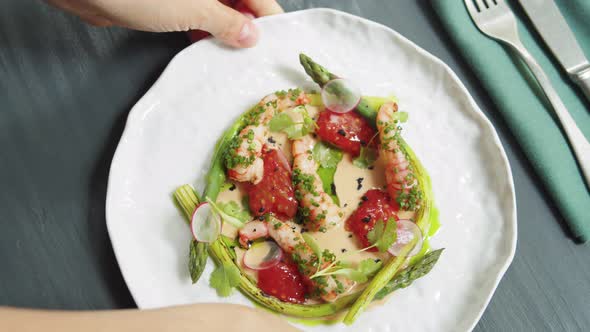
(224, 278)
(295, 122)
(369, 266)
(326, 156)
(366, 158)
(313, 245)
(383, 235)
(375, 234)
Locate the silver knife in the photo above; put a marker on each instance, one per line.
(554, 30)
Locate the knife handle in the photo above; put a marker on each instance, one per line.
(582, 78)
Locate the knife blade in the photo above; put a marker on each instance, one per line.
(550, 24)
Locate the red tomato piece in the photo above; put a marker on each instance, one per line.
(347, 131)
(375, 205)
(274, 193)
(284, 282)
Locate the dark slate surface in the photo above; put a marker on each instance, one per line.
(65, 90)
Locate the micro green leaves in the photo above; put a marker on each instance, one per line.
(383, 235)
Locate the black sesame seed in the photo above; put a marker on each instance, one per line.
(345, 204)
(366, 219)
(254, 230)
(371, 167)
(233, 187)
(349, 236)
(359, 183)
(261, 218)
(261, 210)
(271, 140)
(377, 260)
(365, 198)
(333, 188)
(343, 250)
(341, 132)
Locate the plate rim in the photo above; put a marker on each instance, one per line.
(135, 112)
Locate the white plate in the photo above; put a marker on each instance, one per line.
(171, 132)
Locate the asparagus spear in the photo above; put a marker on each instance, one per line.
(318, 74)
(367, 107)
(197, 258)
(407, 276)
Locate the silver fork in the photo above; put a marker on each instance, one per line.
(495, 19)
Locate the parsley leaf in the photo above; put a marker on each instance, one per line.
(295, 122)
(326, 156)
(224, 278)
(280, 122)
(383, 236)
(366, 158)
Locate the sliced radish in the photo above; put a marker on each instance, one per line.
(406, 232)
(205, 224)
(262, 255)
(341, 95)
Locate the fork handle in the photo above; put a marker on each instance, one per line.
(582, 78)
(578, 142)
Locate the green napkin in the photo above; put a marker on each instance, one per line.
(528, 116)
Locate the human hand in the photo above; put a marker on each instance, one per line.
(213, 16)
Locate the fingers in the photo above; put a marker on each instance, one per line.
(230, 26)
(263, 7)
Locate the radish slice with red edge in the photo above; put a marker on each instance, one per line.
(340, 95)
(205, 224)
(262, 255)
(406, 232)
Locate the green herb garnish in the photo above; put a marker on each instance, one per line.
(285, 122)
(366, 158)
(383, 235)
(224, 278)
